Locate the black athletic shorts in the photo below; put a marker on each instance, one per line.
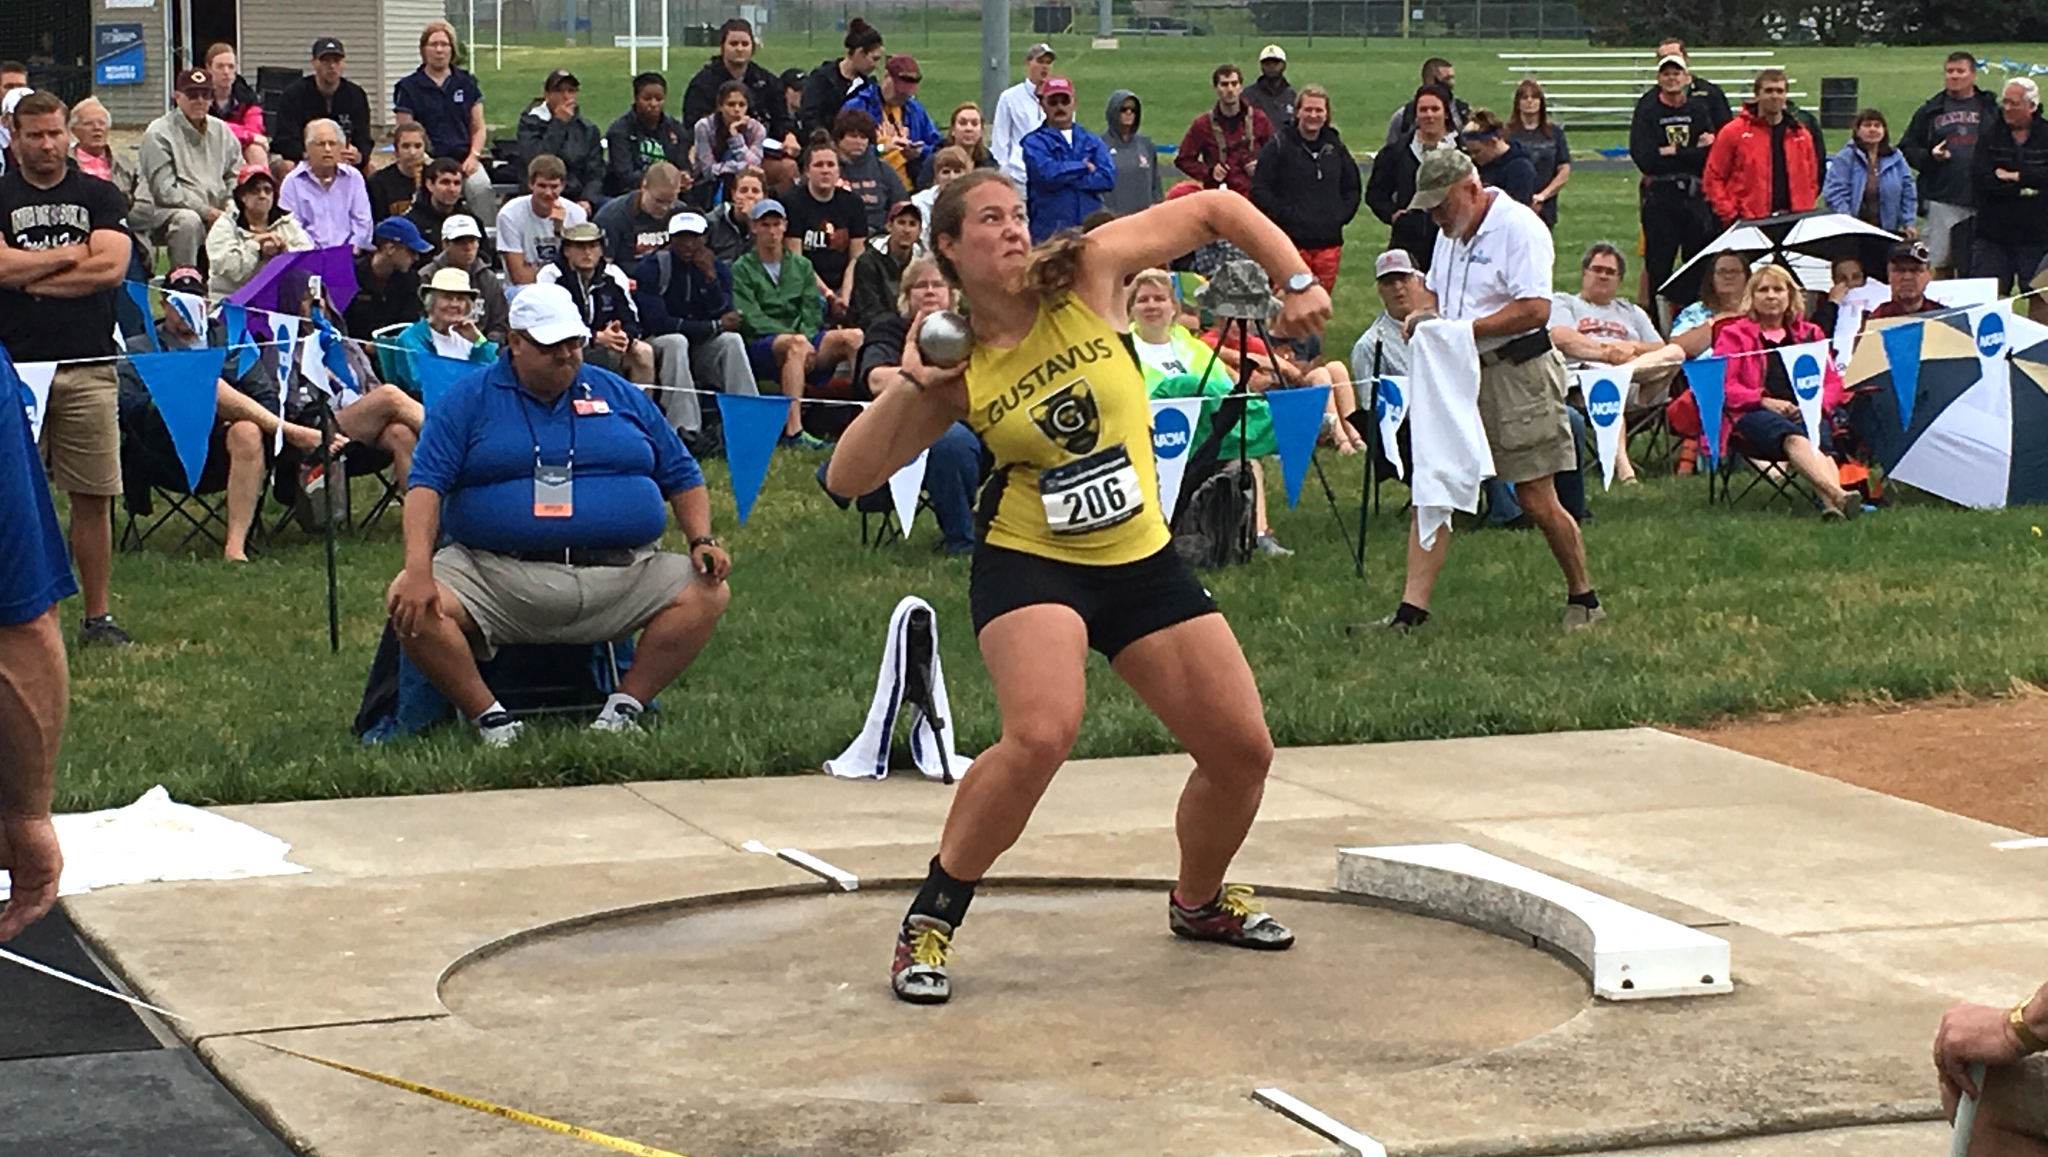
(1120, 604)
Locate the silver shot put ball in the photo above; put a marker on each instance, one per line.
(944, 340)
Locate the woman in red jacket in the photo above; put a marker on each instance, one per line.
(1760, 413)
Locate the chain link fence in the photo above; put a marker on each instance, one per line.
(819, 24)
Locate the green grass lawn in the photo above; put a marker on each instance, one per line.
(233, 696)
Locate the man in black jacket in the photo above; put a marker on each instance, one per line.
(605, 299)
(2010, 171)
(1668, 139)
(1308, 184)
(553, 125)
(685, 300)
(735, 61)
(323, 94)
(1938, 143)
(1719, 110)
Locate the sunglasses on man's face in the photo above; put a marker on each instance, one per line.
(1603, 270)
(1056, 99)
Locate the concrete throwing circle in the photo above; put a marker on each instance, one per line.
(1059, 993)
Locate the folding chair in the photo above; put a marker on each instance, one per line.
(1744, 471)
(151, 473)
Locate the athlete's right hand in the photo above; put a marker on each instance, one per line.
(930, 378)
(1303, 313)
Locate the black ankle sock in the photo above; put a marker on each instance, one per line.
(942, 896)
(1410, 615)
(1589, 600)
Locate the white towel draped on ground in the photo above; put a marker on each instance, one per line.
(157, 838)
(867, 757)
(1446, 441)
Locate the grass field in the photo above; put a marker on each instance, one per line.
(233, 696)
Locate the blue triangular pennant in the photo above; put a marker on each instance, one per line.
(1708, 377)
(138, 292)
(437, 374)
(752, 426)
(1902, 353)
(235, 320)
(1297, 421)
(181, 383)
(333, 355)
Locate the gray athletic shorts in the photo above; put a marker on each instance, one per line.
(514, 601)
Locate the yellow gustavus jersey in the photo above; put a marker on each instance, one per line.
(1067, 418)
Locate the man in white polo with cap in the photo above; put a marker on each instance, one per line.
(1018, 112)
(687, 311)
(553, 482)
(1491, 269)
(1270, 93)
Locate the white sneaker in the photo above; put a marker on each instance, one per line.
(617, 717)
(499, 729)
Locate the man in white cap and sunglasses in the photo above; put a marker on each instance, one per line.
(1018, 112)
(686, 309)
(462, 247)
(1270, 93)
(549, 478)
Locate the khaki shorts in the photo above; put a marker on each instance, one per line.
(2016, 1098)
(82, 431)
(1523, 410)
(514, 601)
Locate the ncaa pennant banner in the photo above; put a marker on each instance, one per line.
(1902, 354)
(35, 384)
(752, 425)
(1173, 440)
(1708, 377)
(181, 383)
(904, 487)
(1297, 420)
(1806, 369)
(1390, 409)
(1605, 390)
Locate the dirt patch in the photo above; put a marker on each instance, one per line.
(1982, 758)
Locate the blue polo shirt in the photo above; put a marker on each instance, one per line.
(442, 108)
(476, 451)
(35, 571)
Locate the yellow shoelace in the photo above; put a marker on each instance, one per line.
(1237, 900)
(931, 948)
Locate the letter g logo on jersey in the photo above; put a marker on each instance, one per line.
(1170, 434)
(1069, 418)
(1603, 402)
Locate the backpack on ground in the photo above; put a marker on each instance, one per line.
(1216, 525)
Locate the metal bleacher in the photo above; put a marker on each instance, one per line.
(1599, 89)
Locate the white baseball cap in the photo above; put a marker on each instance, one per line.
(547, 314)
(688, 223)
(458, 226)
(1391, 262)
(1273, 52)
(14, 97)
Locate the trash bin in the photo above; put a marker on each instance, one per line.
(1838, 102)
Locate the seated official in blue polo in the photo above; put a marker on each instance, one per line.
(552, 481)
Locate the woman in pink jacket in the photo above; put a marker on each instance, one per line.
(1760, 411)
(235, 102)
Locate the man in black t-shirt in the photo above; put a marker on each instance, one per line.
(1668, 139)
(63, 252)
(324, 94)
(830, 224)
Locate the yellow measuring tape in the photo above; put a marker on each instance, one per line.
(619, 1144)
(510, 1114)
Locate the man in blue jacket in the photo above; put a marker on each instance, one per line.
(686, 308)
(1067, 168)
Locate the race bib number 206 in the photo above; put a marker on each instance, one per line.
(1093, 494)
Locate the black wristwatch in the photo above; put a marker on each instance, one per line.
(703, 540)
(1299, 283)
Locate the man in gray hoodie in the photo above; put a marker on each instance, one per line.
(1137, 161)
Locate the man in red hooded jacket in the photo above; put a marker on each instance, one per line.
(1763, 161)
